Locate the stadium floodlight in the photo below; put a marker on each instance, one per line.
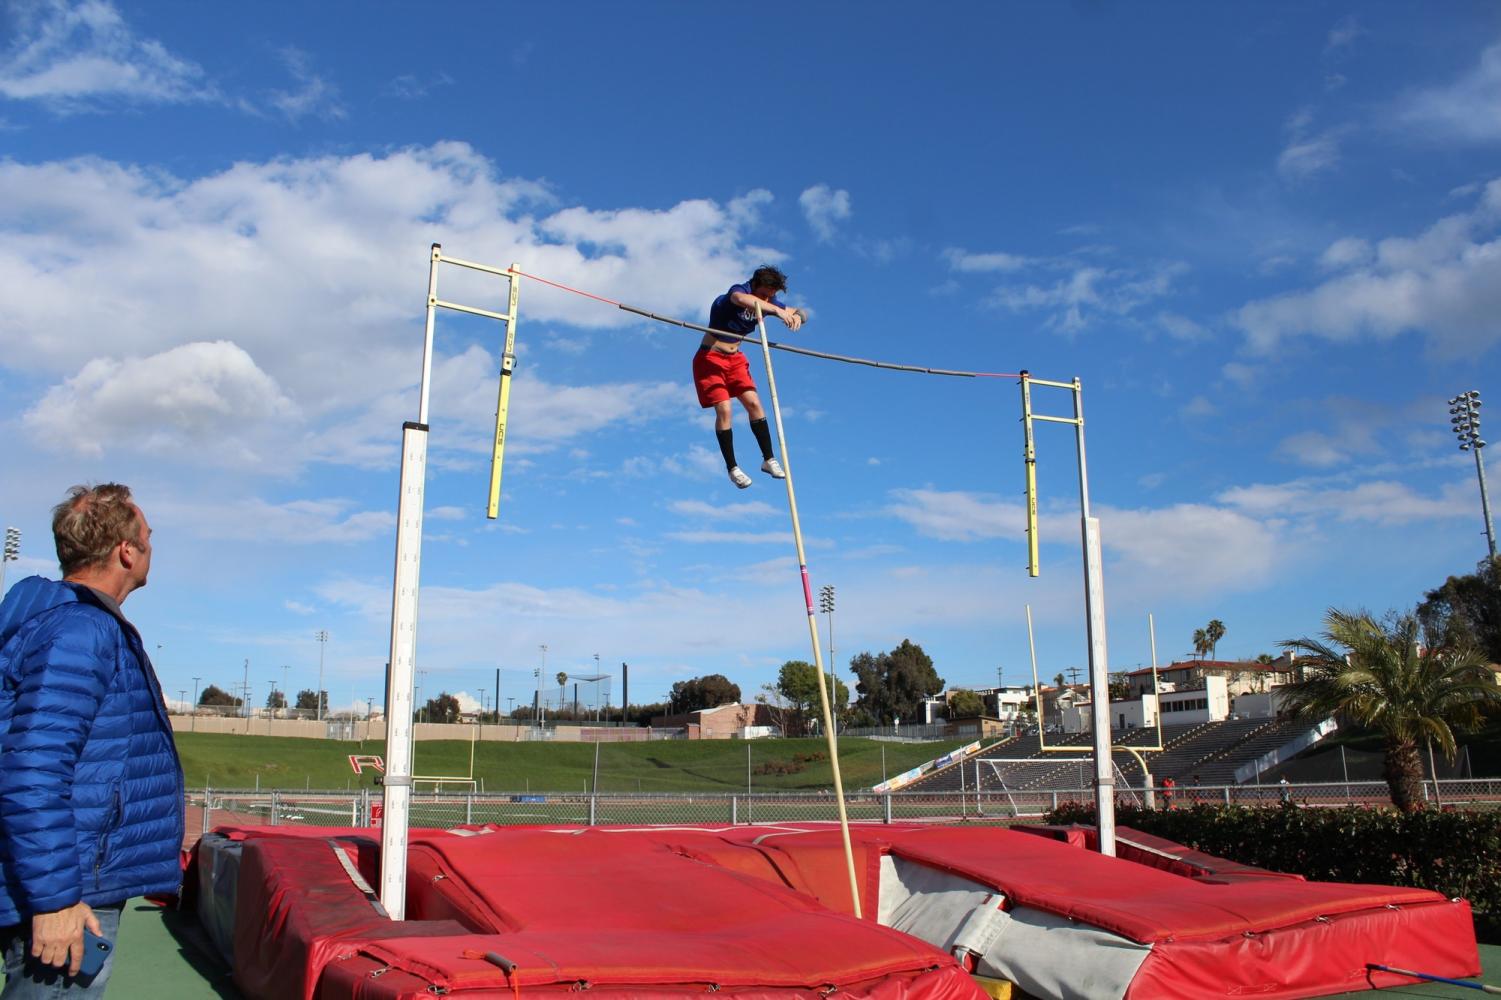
(12, 552)
(1464, 420)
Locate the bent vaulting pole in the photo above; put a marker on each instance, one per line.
(802, 563)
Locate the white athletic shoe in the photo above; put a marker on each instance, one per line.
(773, 468)
(739, 478)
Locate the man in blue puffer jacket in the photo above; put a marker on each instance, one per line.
(91, 791)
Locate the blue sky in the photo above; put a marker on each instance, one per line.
(1265, 236)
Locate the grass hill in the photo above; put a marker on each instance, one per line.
(223, 760)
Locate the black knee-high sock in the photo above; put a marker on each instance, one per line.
(763, 436)
(726, 445)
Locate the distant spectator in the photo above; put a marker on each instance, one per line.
(1285, 790)
(1168, 784)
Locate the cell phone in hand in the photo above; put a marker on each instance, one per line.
(95, 950)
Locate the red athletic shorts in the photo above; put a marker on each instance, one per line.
(719, 375)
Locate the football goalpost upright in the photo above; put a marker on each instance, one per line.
(1030, 785)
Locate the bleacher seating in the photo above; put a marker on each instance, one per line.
(1204, 753)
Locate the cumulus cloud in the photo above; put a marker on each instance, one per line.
(1444, 283)
(77, 56)
(1181, 549)
(824, 208)
(207, 398)
(295, 268)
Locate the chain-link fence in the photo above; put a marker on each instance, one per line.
(208, 808)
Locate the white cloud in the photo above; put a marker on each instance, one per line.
(970, 263)
(312, 95)
(1191, 548)
(1467, 109)
(824, 208)
(1343, 34)
(1380, 501)
(1087, 293)
(1307, 155)
(733, 537)
(296, 268)
(1444, 283)
(206, 398)
(1198, 407)
(1180, 327)
(295, 522)
(1314, 448)
(1349, 251)
(698, 508)
(1242, 375)
(75, 56)
(958, 516)
(1183, 549)
(298, 608)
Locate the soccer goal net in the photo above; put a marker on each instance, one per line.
(1032, 786)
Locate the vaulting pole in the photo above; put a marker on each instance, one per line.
(802, 563)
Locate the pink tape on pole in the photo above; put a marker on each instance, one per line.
(807, 590)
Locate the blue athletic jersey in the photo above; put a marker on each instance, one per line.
(725, 315)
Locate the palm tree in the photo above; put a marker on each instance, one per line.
(1387, 682)
(1214, 632)
(1201, 642)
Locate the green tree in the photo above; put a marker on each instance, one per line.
(215, 695)
(1377, 674)
(444, 708)
(276, 700)
(1214, 632)
(708, 691)
(308, 700)
(1201, 642)
(893, 685)
(966, 705)
(1120, 687)
(1467, 608)
(797, 683)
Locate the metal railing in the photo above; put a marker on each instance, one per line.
(208, 807)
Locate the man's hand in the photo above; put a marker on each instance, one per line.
(57, 937)
(793, 318)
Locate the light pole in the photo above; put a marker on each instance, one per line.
(421, 676)
(194, 726)
(322, 636)
(541, 715)
(826, 605)
(1464, 416)
(182, 693)
(246, 688)
(12, 552)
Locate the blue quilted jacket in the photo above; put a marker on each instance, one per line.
(91, 793)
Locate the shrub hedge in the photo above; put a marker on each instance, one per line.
(1455, 852)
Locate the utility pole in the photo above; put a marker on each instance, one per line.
(246, 688)
(194, 726)
(322, 636)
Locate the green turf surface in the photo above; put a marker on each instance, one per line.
(222, 760)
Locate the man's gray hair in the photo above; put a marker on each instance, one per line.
(91, 522)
